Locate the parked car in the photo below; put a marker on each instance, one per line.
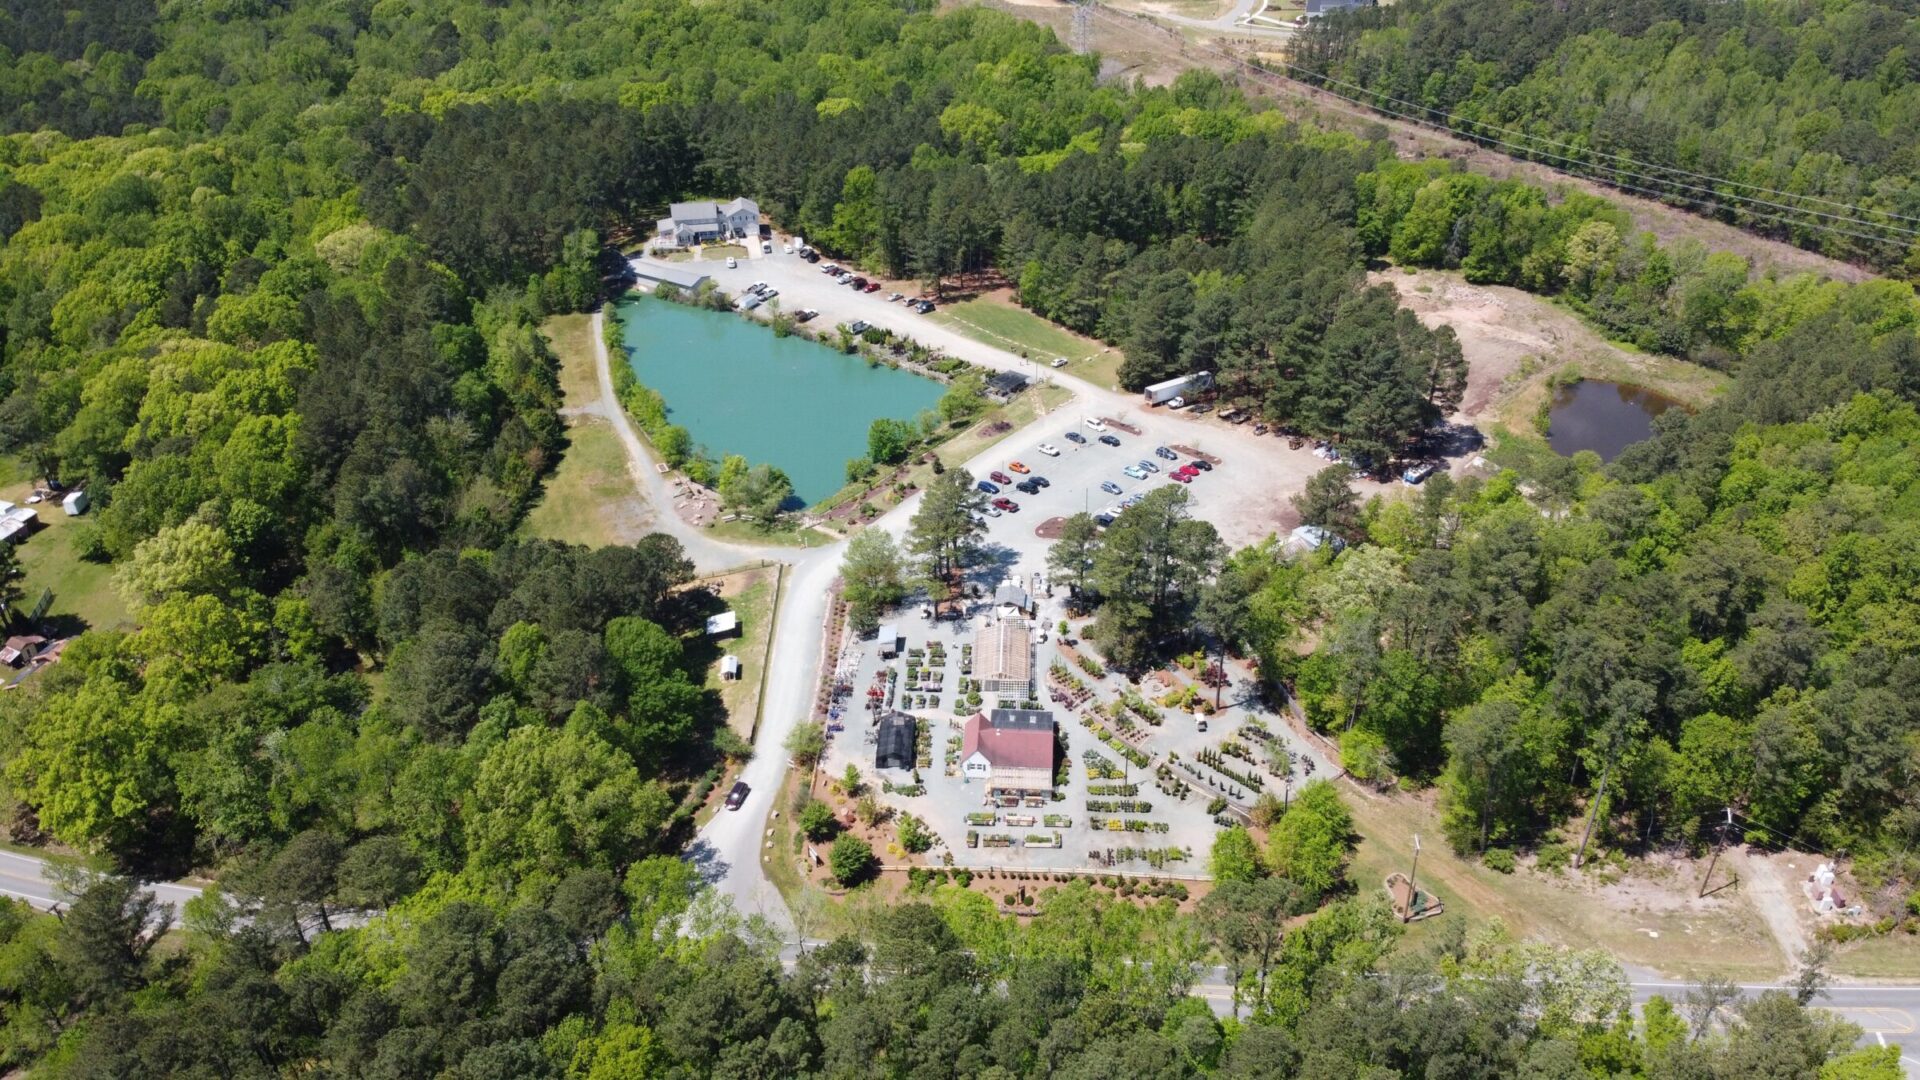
(1039, 481)
(1202, 409)
(766, 247)
(733, 263)
(1180, 477)
(768, 294)
(1095, 423)
(1006, 504)
(859, 326)
(999, 477)
(810, 256)
(1028, 486)
(786, 249)
(1417, 473)
(988, 486)
(991, 511)
(1058, 361)
(1103, 520)
(893, 296)
(738, 796)
(1177, 403)
(1019, 467)
(1165, 454)
(924, 307)
(757, 286)
(1110, 440)
(1148, 465)
(1076, 438)
(1109, 487)
(830, 269)
(1135, 471)
(1048, 449)
(805, 315)
(871, 286)
(1201, 464)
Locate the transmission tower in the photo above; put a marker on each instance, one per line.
(1082, 42)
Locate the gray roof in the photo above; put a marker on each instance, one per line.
(742, 203)
(1012, 594)
(667, 273)
(700, 210)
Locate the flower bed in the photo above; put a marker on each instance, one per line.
(1120, 806)
(1123, 791)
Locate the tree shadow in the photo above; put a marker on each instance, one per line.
(706, 861)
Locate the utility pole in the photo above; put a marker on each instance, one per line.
(1413, 887)
(1082, 34)
(1720, 845)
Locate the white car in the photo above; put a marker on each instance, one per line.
(733, 263)
(990, 511)
(1048, 449)
(1095, 423)
(1058, 361)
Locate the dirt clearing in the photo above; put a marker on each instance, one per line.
(1515, 342)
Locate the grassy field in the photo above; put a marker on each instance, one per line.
(996, 320)
(721, 252)
(1648, 917)
(571, 337)
(753, 594)
(50, 558)
(589, 498)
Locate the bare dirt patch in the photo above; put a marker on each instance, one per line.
(1515, 342)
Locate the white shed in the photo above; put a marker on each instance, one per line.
(730, 667)
(75, 503)
(727, 622)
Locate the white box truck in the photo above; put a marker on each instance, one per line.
(1161, 392)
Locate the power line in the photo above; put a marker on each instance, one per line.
(1609, 174)
(1447, 121)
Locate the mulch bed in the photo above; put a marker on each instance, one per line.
(1188, 451)
(1122, 425)
(1051, 528)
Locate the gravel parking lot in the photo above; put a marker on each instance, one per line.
(1246, 500)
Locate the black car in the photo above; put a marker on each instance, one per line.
(1110, 440)
(1103, 520)
(738, 796)
(1164, 453)
(1029, 487)
(1038, 481)
(1076, 437)
(1200, 464)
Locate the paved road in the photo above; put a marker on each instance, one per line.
(27, 877)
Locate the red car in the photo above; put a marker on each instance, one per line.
(1187, 471)
(999, 477)
(1181, 477)
(1007, 504)
(872, 286)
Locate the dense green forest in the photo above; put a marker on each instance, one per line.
(1798, 121)
(271, 276)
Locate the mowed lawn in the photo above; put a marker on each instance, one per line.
(589, 497)
(83, 591)
(996, 320)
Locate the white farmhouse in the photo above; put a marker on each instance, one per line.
(691, 223)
